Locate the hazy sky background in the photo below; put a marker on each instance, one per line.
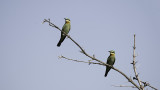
(29, 55)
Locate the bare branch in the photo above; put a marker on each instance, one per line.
(134, 64)
(89, 61)
(136, 74)
(152, 87)
(124, 86)
(147, 84)
(92, 57)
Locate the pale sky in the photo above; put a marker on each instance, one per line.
(29, 55)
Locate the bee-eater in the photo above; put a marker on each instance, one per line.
(66, 28)
(111, 59)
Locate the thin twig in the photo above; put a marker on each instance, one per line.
(134, 66)
(152, 87)
(89, 61)
(147, 84)
(123, 86)
(93, 58)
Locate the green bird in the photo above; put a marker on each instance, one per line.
(111, 59)
(66, 28)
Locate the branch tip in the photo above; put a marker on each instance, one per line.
(59, 57)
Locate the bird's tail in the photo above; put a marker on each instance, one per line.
(107, 70)
(60, 41)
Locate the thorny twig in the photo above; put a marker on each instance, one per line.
(134, 64)
(135, 71)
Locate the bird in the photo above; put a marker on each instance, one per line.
(110, 60)
(66, 28)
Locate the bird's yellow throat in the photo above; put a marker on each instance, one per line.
(67, 21)
(112, 54)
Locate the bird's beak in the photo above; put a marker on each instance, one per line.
(65, 18)
(109, 51)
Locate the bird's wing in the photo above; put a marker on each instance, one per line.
(114, 61)
(69, 27)
(111, 60)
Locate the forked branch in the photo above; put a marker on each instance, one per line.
(99, 61)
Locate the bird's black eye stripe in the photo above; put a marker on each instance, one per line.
(67, 19)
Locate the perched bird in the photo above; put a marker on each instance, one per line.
(111, 59)
(66, 28)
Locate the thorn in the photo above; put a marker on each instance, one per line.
(59, 57)
(136, 76)
(129, 80)
(130, 77)
(44, 21)
(136, 62)
(146, 84)
(93, 56)
(81, 51)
